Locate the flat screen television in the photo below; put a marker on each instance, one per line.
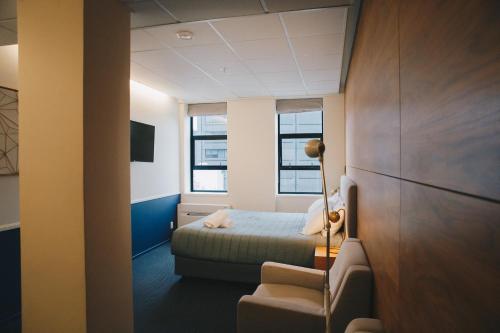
(142, 142)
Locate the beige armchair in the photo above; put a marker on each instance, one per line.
(290, 298)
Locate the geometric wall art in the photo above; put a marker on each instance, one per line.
(9, 132)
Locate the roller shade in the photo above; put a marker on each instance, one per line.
(299, 105)
(207, 109)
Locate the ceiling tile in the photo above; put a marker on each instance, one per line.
(199, 10)
(322, 92)
(8, 9)
(202, 34)
(9, 25)
(166, 64)
(270, 65)
(287, 5)
(320, 62)
(287, 93)
(321, 75)
(315, 22)
(328, 85)
(210, 89)
(244, 92)
(248, 81)
(250, 27)
(7, 37)
(147, 14)
(279, 78)
(318, 44)
(207, 53)
(285, 86)
(142, 41)
(224, 69)
(142, 75)
(263, 48)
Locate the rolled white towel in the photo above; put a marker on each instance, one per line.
(219, 219)
(227, 223)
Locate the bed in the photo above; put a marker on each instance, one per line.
(236, 253)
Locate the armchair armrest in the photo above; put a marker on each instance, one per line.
(354, 298)
(277, 273)
(264, 314)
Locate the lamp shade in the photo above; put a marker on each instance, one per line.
(314, 148)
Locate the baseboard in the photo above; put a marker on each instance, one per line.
(149, 249)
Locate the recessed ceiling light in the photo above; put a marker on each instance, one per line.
(185, 35)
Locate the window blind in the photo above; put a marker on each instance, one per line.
(299, 105)
(207, 109)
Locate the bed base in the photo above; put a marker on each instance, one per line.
(216, 270)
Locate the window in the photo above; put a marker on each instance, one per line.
(297, 172)
(209, 153)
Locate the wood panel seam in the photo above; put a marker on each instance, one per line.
(430, 185)
(398, 310)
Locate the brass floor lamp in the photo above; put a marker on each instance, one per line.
(315, 149)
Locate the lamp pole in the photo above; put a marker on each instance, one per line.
(327, 226)
(315, 149)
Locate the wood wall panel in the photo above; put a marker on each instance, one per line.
(378, 209)
(450, 94)
(373, 101)
(450, 261)
(436, 261)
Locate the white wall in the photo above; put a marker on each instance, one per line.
(251, 145)
(9, 185)
(160, 178)
(252, 156)
(148, 180)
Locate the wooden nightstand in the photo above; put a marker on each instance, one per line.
(320, 256)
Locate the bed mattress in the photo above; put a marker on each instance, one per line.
(255, 237)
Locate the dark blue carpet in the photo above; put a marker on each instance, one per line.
(163, 302)
(166, 303)
(11, 326)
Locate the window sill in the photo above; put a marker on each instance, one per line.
(202, 194)
(296, 195)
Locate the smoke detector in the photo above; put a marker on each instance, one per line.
(184, 35)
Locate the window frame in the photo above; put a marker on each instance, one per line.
(282, 167)
(193, 138)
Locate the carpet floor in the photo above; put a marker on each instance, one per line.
(11, 326)
(165, 302)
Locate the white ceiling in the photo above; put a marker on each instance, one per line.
(147, 13)
(290, 54)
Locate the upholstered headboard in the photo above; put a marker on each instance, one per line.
(349, 194)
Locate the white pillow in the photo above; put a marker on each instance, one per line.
(315, 205)
(314, 220)
(332, 201)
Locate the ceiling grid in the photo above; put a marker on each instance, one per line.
(291, 54)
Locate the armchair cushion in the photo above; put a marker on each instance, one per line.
(365, 325)
(292, 294)
(265, 314)
(276, 273)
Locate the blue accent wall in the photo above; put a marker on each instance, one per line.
(151, 222)
(10, 275)
(150, 227)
